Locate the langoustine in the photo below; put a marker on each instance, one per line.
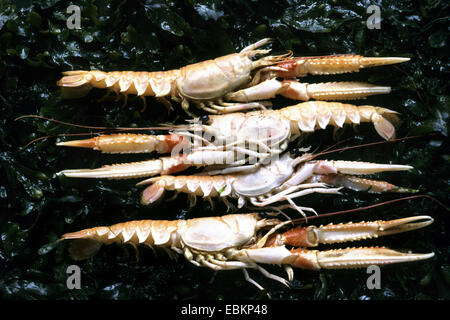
(244, 241)
(283, 179)
(235, 82)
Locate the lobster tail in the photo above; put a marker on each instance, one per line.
(87, 242)
(159, 84)
(86, 245)
(384, 121)
(319, 114)
(75, 84)
(76, 78)
(152, 193)
(83, 249)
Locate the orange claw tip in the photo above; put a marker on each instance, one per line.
(86, 143)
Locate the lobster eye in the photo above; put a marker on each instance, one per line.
(204, 119)
(264, 215)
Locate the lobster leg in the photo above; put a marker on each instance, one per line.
(290, 196)
(224, 107)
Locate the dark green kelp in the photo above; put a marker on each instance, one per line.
(38, 207)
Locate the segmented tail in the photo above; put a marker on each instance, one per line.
(312, 115)
(150, 232)
(143, 83)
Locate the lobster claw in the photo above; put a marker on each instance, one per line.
(340, 174)
(325, 65)
(350, 257)
(312, 236)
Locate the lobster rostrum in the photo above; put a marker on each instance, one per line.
(245, 241)
(235, 82)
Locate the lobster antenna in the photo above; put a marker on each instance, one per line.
(92, 127)
(329, 214)
(331, 147)
(60, 122)
(328, 151)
